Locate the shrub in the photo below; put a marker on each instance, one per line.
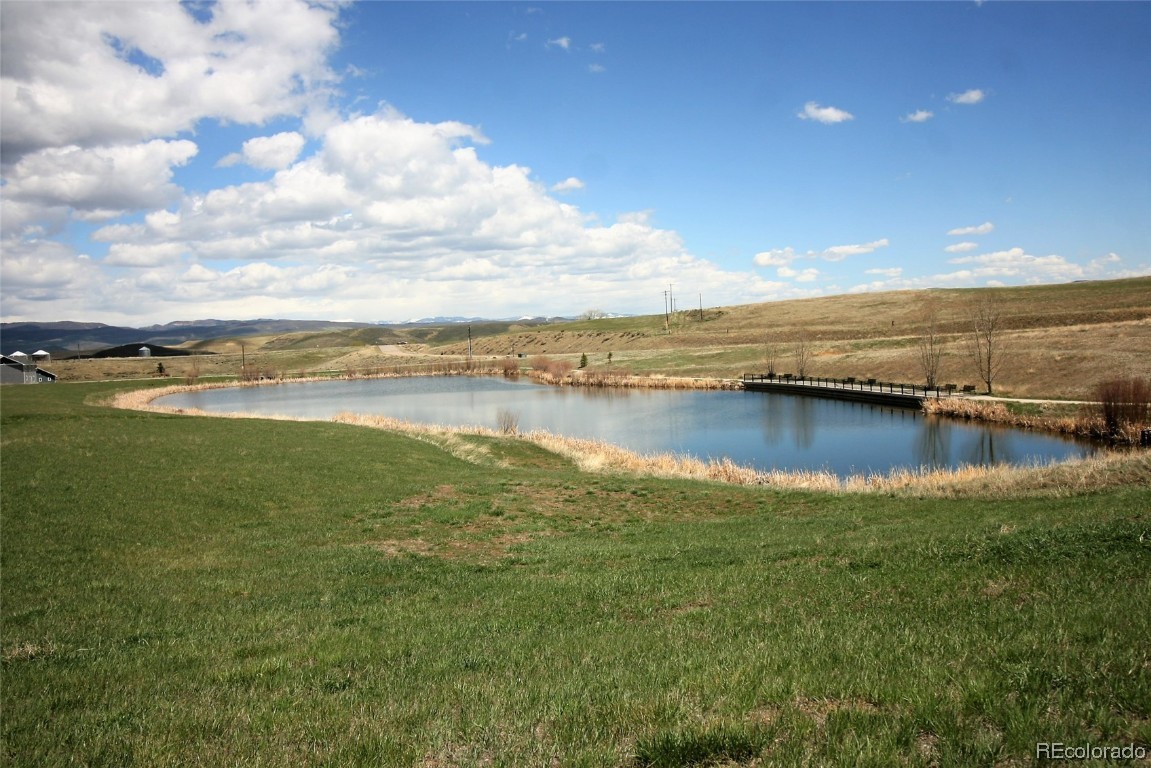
(560, 368)
(508, 422)
(1123, 402)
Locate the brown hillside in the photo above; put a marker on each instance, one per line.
(1063, 339)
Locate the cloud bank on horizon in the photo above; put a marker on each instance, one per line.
(326, 160)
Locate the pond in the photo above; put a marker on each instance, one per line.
(755, 429)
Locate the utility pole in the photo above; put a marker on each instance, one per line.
(701, 307)
(469, 346)
(666, 324)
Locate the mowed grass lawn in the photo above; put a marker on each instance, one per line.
(195, 591)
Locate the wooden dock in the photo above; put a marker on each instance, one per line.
(863, 391)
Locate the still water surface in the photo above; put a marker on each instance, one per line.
(757, 429)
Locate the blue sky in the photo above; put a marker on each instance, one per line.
(381, 161)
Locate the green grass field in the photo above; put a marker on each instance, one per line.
(193, 591)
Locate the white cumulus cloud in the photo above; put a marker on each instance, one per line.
(269, 153)
(798, 275)
(775, 258)
(147, 255)
(38, 270)
(840, 252)
(918, 116)
(569, 184)
(980, 229)
(1012, 266)
(70, 72)
(1016, 264)
(104, 181)
(366, 215)
(781, 257)
(386, 216)
(826, 115)
(972, 96)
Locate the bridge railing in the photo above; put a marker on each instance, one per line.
(862, 385)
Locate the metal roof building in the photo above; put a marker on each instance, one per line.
(18, 368)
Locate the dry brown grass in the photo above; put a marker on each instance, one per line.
(1124, 404)
(26, 651)
(1063, 338)
(1090, 422)
(883, 316)
(544, 366)
(1057, 362)
(292, 363)
(141, 399)
(1109, 470)
(604, 379)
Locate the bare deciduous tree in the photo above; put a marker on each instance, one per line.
(771, 352)
(802, 353)
(985, 344)
(930, 340)
(592, 314)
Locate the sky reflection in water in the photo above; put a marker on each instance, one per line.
(763, 430)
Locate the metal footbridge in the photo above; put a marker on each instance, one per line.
(859, 390)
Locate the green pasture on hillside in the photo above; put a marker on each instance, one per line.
(211, 592)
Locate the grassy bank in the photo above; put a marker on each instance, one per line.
(191, 591)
